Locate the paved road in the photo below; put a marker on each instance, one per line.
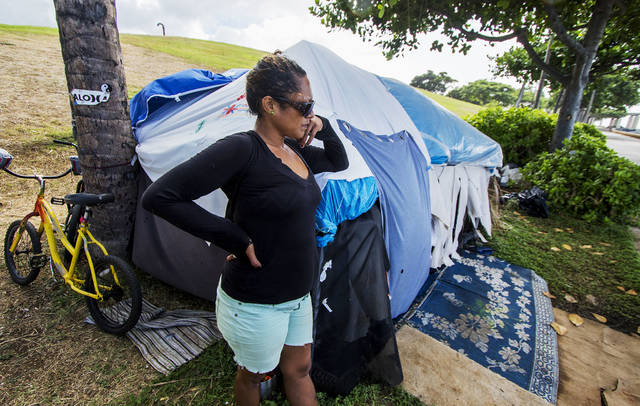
(628, 147)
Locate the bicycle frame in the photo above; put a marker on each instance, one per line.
(50, 226)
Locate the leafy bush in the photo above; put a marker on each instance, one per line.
(588, 179)
(522, 133)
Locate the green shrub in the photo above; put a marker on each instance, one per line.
(522, 133)
(588, 179)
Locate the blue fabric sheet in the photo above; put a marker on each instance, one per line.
(172, 87)
(343, 200)
(496, 314)
(403, 185)
(466, 144)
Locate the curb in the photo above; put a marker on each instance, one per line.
(628, 134)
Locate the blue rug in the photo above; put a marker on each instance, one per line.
(496, 314)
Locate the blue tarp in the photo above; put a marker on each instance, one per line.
(343, 200)
(401, 171)
(466, 144)
(173, 87)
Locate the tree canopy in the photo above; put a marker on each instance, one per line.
(433, 82)
(614, 91)
(608, 28)
(485, 92)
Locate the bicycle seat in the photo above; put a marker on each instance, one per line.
(89, 199)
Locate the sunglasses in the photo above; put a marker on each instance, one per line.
(305, 108)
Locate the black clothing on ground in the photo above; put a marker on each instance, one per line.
(354, 332)
(273, 207)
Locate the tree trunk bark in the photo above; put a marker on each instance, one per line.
(524, 84)
(93, 58)
(547, 56)
(588, 113)
(580, 74)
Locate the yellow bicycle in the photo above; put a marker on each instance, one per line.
(108, 283)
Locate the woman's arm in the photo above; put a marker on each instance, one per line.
(331, 158)
(171, 196)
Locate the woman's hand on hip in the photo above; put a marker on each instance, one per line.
(315, 125)
(251, 256)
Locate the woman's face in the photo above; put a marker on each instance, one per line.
(289, 121)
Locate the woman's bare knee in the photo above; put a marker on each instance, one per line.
(295, 365)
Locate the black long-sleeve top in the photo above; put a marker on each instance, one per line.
(273, 207)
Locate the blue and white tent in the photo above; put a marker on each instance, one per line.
(419, 160)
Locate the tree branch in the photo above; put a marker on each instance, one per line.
(558, 27)
(476, 35)
(600, 70)
(553, 72)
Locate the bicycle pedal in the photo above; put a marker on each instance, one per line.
(38, 261)
(57, 201)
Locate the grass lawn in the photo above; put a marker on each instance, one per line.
(208, 380)
(458, 107)
(590, 262)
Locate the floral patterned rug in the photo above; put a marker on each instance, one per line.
(496, 314)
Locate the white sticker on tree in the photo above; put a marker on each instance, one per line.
(91, 97)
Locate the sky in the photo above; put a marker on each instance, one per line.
(269, 25)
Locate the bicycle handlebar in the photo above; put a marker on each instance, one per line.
(38, 177)
(7, 159)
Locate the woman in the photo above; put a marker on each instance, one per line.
(263, 306)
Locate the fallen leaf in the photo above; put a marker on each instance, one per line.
(567, 247)
(621, 288)
(575, 319)
(591, 299)
(517, 213)
(549, 295)
(613, 261)
(600, 318)
(570, 299)
(631, 292)
(559, 328)
(555, 249)
(559, 230)
(597, 253)
(586, 246)
(606, 244)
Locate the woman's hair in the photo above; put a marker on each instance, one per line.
(274, 75)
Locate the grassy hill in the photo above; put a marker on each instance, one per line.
(216, 56)
(458, 107)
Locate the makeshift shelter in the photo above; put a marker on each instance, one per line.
(427, 167)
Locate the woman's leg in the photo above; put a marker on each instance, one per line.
(247, 387)
(295, 364)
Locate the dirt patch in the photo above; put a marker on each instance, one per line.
(438, 375)
(592, 357)
(48, 355)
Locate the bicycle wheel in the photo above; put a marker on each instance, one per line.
(121, 304)
(24, 263)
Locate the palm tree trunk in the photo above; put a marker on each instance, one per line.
(93, 58)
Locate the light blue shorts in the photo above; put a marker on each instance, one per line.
(257, 332)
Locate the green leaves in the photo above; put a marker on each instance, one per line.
(588, 179)
(522, 133)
